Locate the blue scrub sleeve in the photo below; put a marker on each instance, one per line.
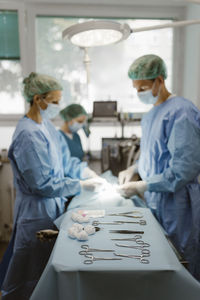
(73, 166)
(32, 160)
(184, 165)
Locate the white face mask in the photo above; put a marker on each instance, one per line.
(75, 127)
(51, 111)
(147, 97)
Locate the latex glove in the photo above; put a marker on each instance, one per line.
(93, 184)
(126, 175)
(132, 188)
(88, 173)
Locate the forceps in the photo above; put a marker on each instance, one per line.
(141, 247)
(96, 223)
(88, 249)
(91, 259)
(136, 214)
(136, 239)
(140, 257)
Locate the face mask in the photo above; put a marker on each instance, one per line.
(51, 111)
(75, 127)
(147, 97)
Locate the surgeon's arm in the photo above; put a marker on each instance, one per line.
(37, 174)
(184, 165)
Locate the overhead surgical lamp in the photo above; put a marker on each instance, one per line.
(103, 32)
(96, 33)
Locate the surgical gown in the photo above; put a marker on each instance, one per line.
(74, 144)
(170, 164)
(44, 175)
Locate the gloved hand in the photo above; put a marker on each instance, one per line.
(93, 184)
(126, 175)
(130, 189)
(88, 173)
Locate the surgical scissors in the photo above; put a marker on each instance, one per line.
(96, 223)
(141, 247)
(91, 259)
(88, 249)
(136, 238)
(140, 257)
(127, 214)
(141, 222)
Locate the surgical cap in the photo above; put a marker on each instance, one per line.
(72, 111)
(147, 67)
(38, 84)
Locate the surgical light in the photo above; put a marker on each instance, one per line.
(102, 32)
(97, 33)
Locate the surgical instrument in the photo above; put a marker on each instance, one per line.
(140, 257)
(145, 251)
(136, 214)
(91, 259)
(126, 231)
(96, 223)
(134, 239)
(88, 249)
(141, 222)
(138, 241)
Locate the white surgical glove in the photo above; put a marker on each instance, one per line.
(93, 184)
(132, 188)
(88, 173)
(126, 175)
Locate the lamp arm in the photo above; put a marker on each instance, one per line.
(166, 25)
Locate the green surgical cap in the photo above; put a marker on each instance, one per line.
(72, 111)
(38, 84)
(147, 67)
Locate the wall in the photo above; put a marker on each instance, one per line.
(191, 88)
(107, 2)
(187, 40)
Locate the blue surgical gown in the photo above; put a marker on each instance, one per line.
(170, 164)
(44, 176)
(74, 144)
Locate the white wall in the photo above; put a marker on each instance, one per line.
(191, 80)
(187, 52)
(107, 2)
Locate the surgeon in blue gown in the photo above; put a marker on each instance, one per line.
(44, 176)
(75, 118)
(169, 162)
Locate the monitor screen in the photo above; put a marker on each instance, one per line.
(105, 109)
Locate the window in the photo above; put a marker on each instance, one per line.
(12, 101)
(109, 64)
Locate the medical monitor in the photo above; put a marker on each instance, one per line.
(104, 110)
